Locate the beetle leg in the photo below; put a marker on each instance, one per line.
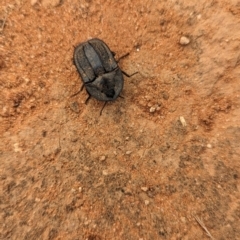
(78, 91)
(122, 57)
(86, 101)
(103, 108)
(82, 87)
(126, 74)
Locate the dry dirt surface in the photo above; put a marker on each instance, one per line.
(163, 162)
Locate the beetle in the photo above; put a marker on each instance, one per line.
(100, 73)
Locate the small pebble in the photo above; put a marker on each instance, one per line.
(33, 2)
(51, 3)
(104, 172)
(128, 152)
(16, 147)
(75, 107)
(74, 138)
(209, 145)
(80, 189)
(182, 120)
(165, 96)
(127, 191)
(144, 188)
(86, 168)
(102, 158)
(149, 104)
(152, 109)
(146, 202)
(183, 219)
(184, 40)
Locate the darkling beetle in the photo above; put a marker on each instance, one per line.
(100, 73)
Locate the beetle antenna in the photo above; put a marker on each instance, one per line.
(103, 108)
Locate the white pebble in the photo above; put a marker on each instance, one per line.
(16, 147)
(209, 145)
(184, 40)
(152, 109)
(128, 152)
(144, 188)
(104, 172)
(182, 120)
(102, 158)
(146, 202)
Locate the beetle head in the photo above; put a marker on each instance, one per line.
(106, 87)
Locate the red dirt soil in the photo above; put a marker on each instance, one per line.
(158, 159)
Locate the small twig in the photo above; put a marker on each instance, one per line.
(3, 23)
(204, 227)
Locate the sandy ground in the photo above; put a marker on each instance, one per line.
(160, 158)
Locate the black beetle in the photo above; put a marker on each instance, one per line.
(100, 73)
